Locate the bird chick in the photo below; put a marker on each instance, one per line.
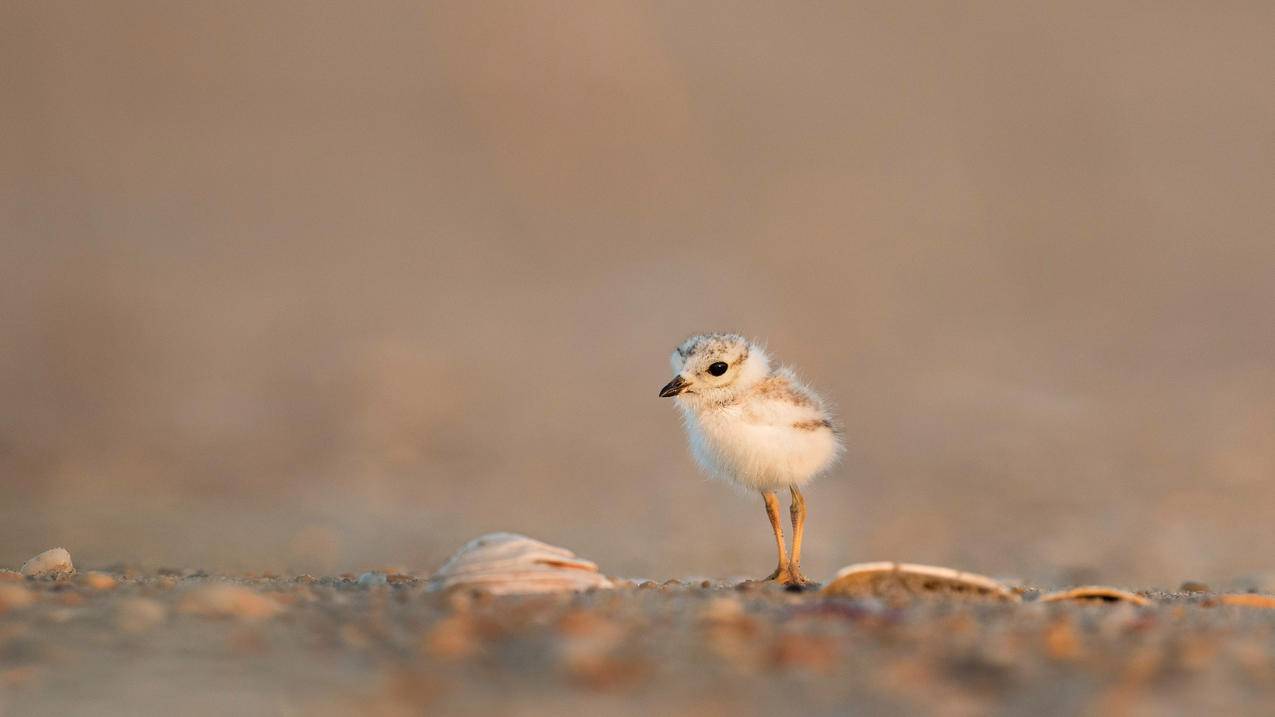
(755, 426)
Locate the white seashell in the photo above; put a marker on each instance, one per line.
(512, 564)
(52, 562)
(905, 580)
(1095, 593)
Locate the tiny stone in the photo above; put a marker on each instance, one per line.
(1194, 586)
(99, 581)
(373, 578)
(50, 563)
(722, 609)
(58, 616)
(14, 596)
(452, 638)
(228, 600)
(139, 614)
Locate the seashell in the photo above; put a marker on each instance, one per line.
(1094, 593)
(512, 564)
(1243, 600)
(54, 562)
(902, 581)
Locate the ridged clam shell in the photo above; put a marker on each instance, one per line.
(902, 581)
(512, 564)
(1095, 593)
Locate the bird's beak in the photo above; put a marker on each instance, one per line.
(674, 387)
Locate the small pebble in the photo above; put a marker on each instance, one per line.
(1062, 641)
(805, 652)
(50, 563)
(722, 609)
(228, 600)
(1193, 586)
(60, 615)
(353, 636)
(370, 579)
(139, 614)
(13, 597)
(452, 638)
(99, 581)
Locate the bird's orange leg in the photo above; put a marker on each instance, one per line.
(798, 512)
(772, 512)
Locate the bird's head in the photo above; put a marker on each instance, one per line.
(713, 367)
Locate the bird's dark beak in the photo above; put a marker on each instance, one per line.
(674, 387)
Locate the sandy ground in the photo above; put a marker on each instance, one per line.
(127, 642)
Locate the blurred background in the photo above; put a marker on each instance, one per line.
(325, 287)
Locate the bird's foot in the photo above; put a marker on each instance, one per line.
(797, 578)
(791, 576)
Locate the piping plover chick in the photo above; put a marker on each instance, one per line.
(755, 426)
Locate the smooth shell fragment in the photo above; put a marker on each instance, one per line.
(903, 581)
(1095, 593)
(1243, 600)
(512, 564)
(51, 563)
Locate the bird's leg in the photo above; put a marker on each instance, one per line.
(772, 512)
(798, 513)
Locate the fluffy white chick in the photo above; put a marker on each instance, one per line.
(755, 426)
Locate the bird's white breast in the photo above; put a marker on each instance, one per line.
(759, 444)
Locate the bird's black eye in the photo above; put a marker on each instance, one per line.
(719, 368)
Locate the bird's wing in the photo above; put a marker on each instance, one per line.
(782, 400)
